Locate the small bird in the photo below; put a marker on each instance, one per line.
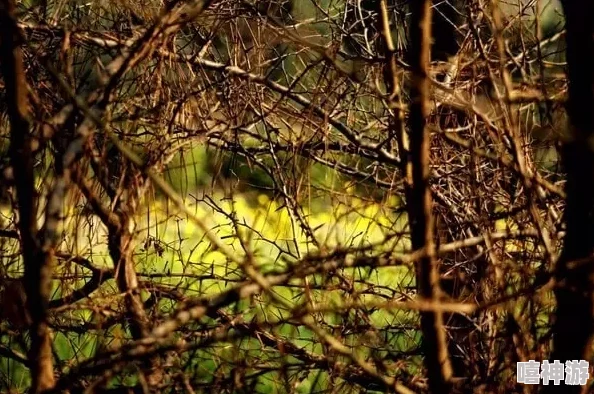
(13, 304)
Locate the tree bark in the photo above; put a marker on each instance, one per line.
(419, 201)
(574, 319)
(38, 263)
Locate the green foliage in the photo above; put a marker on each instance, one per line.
(188, 170)
(173, 245)
(268, 228)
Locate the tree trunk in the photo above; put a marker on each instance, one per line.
(419, 202)
(575, 270)
(38, 262)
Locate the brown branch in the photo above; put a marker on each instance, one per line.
(38, 262)
(233, 71)
(12, 354)
(419, 201)
(107, 217)
(120, 239)
(99, 276)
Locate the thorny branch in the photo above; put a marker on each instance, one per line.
(256, 183)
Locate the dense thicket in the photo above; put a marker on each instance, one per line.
(292, 196)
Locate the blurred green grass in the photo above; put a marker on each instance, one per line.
(171, 245)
